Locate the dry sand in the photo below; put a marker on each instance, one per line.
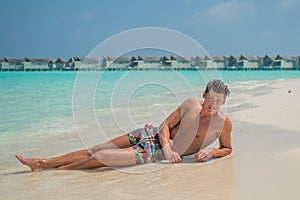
(265, 163)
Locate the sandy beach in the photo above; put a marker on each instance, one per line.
(264, 164)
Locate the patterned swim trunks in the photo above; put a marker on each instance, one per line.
(145, 142)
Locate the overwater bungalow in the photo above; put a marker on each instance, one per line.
(249, 62)
(11, 64)
(171, 62)
(181, 62)
(199, 63)
(1, 61)
(219, 62)
(134, 62)
(148, 62)
(285, 62)
(268, 63)
(79, 63)
(166, 63)
(210, 62)
(60, 64)
(232, 63)
(33, 64)
(113, 63)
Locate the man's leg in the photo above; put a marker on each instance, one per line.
(78, 156)
(104, 158)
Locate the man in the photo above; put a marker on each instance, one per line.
(194, 125)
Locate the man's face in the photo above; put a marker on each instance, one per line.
(213, 101)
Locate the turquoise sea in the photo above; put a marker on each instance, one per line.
(45, 100)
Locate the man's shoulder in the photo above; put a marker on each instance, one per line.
(192, 102)
(224, 117)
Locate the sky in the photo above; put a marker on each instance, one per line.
(63, 29)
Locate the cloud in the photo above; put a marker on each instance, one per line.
(88, 16)
(85, 16)
(287, 5)
(227, 11)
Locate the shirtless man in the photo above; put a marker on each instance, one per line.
(194, 125)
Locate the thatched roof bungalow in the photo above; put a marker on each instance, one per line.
(1, 61)
(285, 62)
(249, 62)
(198, 62)
(218, 62)
(232, 62)
(166, 62)
(181, 62)
(59, 64)
(81, 63)
(115, 63)
(36, 64)
(11, 64)
(297, 62)
(148, 62)
(268, 62)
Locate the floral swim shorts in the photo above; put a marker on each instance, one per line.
(145, 142)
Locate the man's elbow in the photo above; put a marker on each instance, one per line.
(229, 151)
(226, 150)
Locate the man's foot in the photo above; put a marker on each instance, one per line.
(34, 163)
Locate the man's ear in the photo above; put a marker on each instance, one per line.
(204, 95)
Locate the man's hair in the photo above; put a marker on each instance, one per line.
(217, 86)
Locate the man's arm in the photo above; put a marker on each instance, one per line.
(164, 135)
(225, 144)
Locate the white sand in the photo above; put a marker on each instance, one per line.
(279, 109)
(264, 165)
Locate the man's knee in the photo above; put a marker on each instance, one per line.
(95, 149)
(101, 155)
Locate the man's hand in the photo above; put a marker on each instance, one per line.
(171, 155)
(204, 155)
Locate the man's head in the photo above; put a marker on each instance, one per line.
(218, 87)
(214, 96)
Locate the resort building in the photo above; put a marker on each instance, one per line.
(285, 62)
(181, 62)
(112, 63)
(209, 62)
(1, 61)
(232, 63)
(59, 64)
(33, 64)
(171, 62)
(146, 62)
(268, 63)
(199, 63)
(249, 62)
(166, 63)
(11, 64)
(217, 62)
(79, 63)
